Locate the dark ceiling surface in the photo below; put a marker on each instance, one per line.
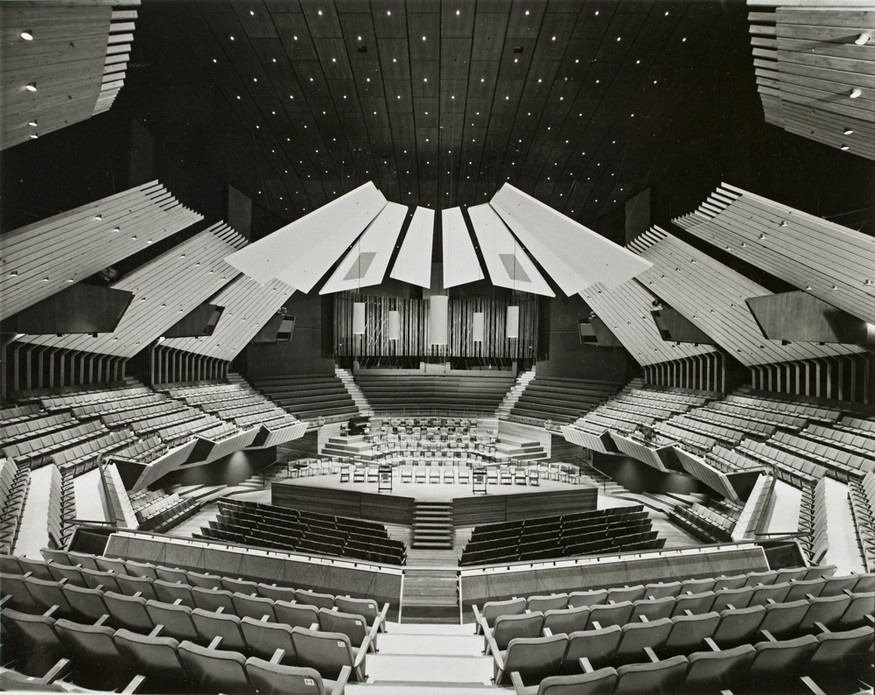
(581, 104)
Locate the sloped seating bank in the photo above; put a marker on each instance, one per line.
(170, 630)
(268, 526)
(583, 533)
(419, 393)
(560, 400)
(309, 397)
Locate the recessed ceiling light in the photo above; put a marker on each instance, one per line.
(232, 37)
(423, 38)
(619, 37)
(596, 13)
(31, 87)
(861, 40)
(845, 148)
(319, 12)
(388, 13)
(26, 35)
(32, 124)
(251, 13)
(458, 12)
(848, 131)
(527, 13)
(856, 93)
(684, 39)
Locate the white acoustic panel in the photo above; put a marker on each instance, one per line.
(507, 262)
(413, 263)
(574, 256)
(365, 264)
(460, 259)
(301, 252)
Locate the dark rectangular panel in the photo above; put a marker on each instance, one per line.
(801, 317)
(77, 309)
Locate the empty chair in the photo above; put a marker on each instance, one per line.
(834, 586)
(738, 626)
(546, 603)
(205, 581)
(353, 626)
(31, 641)
(98, 663)
(96, 579)
(328, 652)
(653, 609)
(599, 646)
(128, 611)
(598, 682)
(243, 586)
(865, 583)
(534, 658)
(211, 625)
(587, 598)
(828, 611)
(637, 636)
(253, 606)
(696, 586)
(801, 589)
(111, 564)
(769, 592)
(610, 614)
(212, 599)
(314, 598)
(737, 598)
(14, 586)
(279, 679)
(659, 677)
(39, 569)
(662, 589)
(58, 573)
(141, 569)
(366, 607)
(861, 605)
(735, 581)
(214, 670)
(84, 560)
(566, 620)
(264, 638)
(296, 614)
(131, 585)
(156, 658)
(783, 619)
(170, 591)
(172, 574)
(175, 618)
(626, 593)
(695, 603)
(838, 650)
(688, 632)
(87, 604)
(493, 609)
(508, 627)
(712, 671)
(276, 593)
(780, 659)
(46, 594)
(788, 574)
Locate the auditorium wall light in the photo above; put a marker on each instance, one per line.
(358, 318)
(394, 325)
(513, 322)
(437, 319)
(477, 327)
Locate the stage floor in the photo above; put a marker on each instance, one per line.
(444, 492)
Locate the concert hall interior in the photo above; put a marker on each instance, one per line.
(413, 347)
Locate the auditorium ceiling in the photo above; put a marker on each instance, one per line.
(581, 104)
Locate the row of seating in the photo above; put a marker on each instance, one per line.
(285, 529)
(14, 482)
(862, 495)
(76, 460)
(416, 393)
(617, 529)
(69, 397)
(117, 405)
(315, 519)
(562, 400)
(15, 413)
(538, 664)
(37, 452)
(143, 450)
(782, 405)
(704, 523)
(37, 426)
(840, 463)
(309, 397)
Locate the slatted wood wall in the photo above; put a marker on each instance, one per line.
(71, 66)
(414, 341)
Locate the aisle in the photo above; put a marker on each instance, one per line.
(841, 533)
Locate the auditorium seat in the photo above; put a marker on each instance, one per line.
(739, 626)
(157, 658)
(635, 637)
(777, 660)
(93, 649)
(600, 682)
(128, 612)
(508, 627)
(567, 620)
(688, 633)
(659, 677)
(30, 641)
(214, 670)
(836, 650)
(534, 658)
(277, 679)
(329, 652)
(493, 609)
(175, 618)
(716, 670)
(599, 645)
(264, 638)
(365, 607)
(296, 614)
(211, 625)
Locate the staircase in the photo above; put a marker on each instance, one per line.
(519, 450)
(235, 378)
(354, 391)
(513, 395)
(433, 526)
(431, 586)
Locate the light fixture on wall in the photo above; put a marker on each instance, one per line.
(437, 319)
(358, 318)
(512, 322)
(394, 324)
(477, 327)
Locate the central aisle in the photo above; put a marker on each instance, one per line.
(427, 659)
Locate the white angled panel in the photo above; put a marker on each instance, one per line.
(507, 263)
(574, 256)
(460, 259)
(301, 252)
(365, 264)
(413, 263)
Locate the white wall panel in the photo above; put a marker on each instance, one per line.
(460, 259)
(572, 255)
(506, 261)
(302, 252)
(413, 263)
(365, 264)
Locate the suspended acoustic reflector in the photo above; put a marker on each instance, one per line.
(437, 319)
(513, 321)
(394, 325)
(477, 327)
(358, 318)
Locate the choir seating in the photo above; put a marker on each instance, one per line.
(444, 393)
(560, 400)
(306, 532)
(309, 397)
(14, 482)
(583, 533)
(157, 511)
